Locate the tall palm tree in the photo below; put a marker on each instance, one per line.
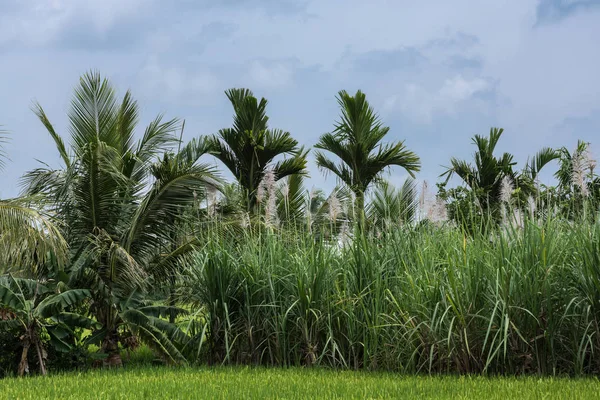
(114, 196)
(356, 141)
(28, 237)
(249, 148)
(484, 178)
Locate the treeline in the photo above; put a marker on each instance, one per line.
(141, 241)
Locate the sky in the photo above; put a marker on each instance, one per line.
(436, 71)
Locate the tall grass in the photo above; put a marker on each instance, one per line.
(416, 299)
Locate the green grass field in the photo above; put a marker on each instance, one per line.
(246, 383)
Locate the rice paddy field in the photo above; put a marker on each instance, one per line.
(293, 383)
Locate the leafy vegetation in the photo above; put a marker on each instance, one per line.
(139, 242)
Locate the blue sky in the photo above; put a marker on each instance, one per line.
(437, 71)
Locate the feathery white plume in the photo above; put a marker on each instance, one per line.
(334, 207)
(437, 211)
(267, 188)
(245, 220)
(579, 169)
(285, 190)
(423, 196)
(345, 236)
(590, 161)
(506, 189)
(211, 200)
(517, 218)
(531, 206)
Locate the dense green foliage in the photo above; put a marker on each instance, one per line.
(429, 299)
(138, 241)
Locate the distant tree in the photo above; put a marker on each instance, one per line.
(391, 207)
(249, 148)
(357, 142)
(484, 177)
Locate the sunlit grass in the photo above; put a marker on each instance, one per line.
(249, 383)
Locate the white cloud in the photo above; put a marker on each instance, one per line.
(176, 83)
(40, 22)
(460, 89)
(421, 105)
(273, 75)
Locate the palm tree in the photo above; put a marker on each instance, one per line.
(114, 197)
(356, 141)
(28, 237)
(484, 178)
(249, 148)
(313, 210)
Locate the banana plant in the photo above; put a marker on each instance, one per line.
(139, 318)
(32, 308)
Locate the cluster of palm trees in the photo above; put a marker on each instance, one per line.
(121, 205)
(85, 242)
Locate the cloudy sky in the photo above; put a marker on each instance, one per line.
(437, 71)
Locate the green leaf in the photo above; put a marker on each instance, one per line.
(76, 320)
(96, 337)
(53, 305)
(8, 299)
(56, 339)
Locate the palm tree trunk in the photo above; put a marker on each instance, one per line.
(359, 209)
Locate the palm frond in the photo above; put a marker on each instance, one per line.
(539, 161)
(58, 141)
(127, 119)
(291, 199)
(340, 170)
(93, 113)
(28, 239)
(3, 154)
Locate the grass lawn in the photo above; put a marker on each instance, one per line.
(237, 383)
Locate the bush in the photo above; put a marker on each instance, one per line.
(10, 353)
